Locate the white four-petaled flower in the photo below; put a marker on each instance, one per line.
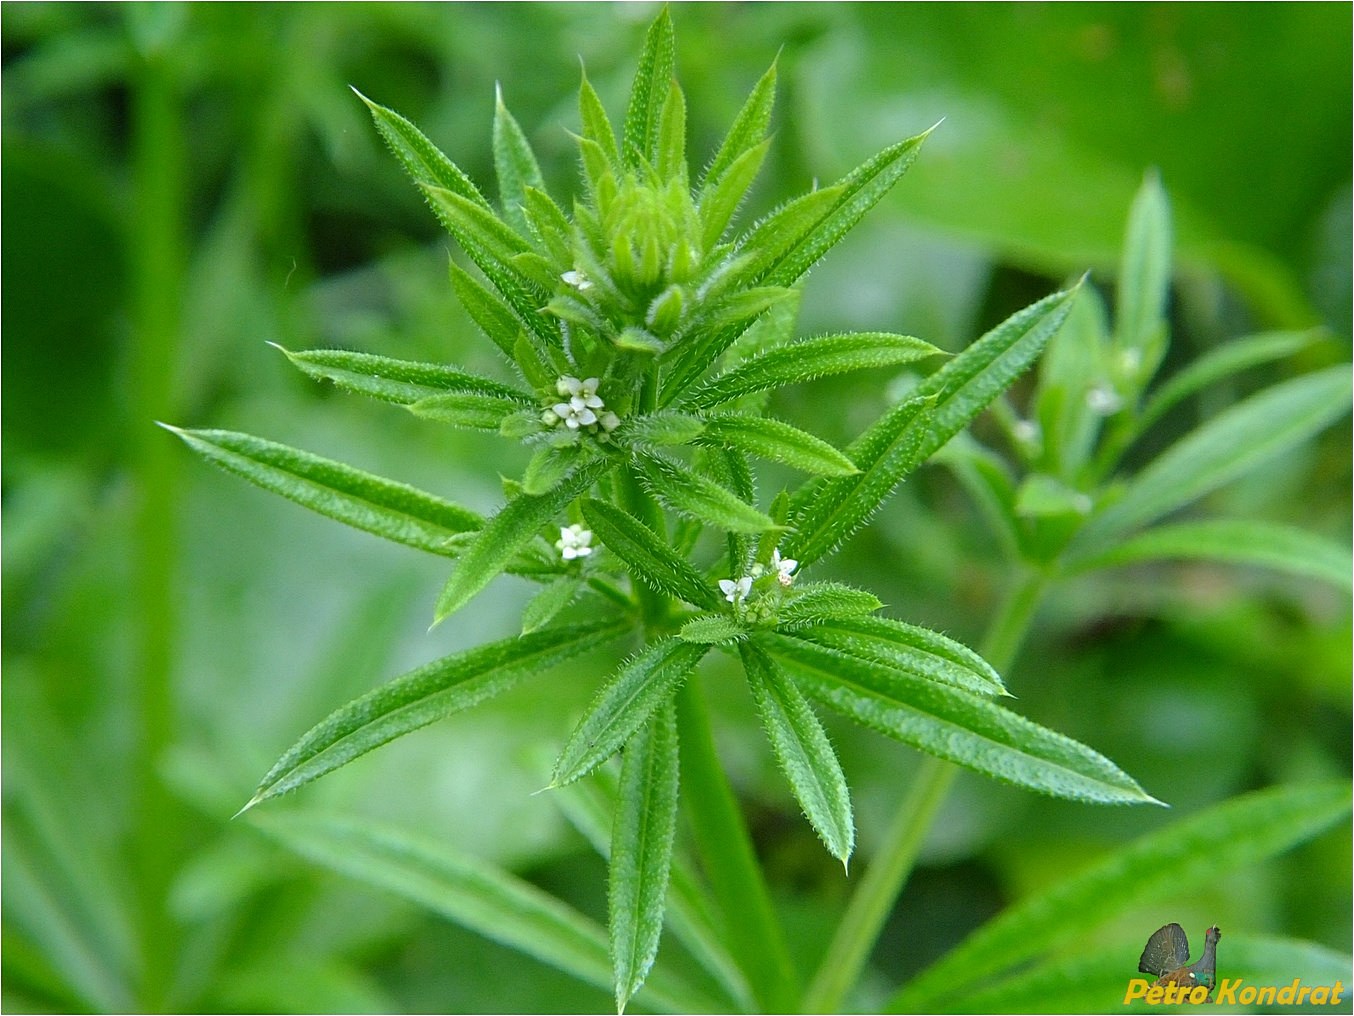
(579, 411)
(574, 541)
(784, 567)
(576, 279)
(736, 592)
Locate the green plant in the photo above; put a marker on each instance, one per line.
(645, 345)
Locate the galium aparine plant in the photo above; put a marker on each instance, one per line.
(644, 333)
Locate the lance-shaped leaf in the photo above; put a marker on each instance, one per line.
(820, 602)
(420, 157)
(774, 237)
(670, 149)
(596, 124)
(666, 427)
(506, 533)
(777, 441)
(644, 684)
(955, 725)
(857, 193)
(720, 200)
(1145, 279)
(1235, 541)
(467, 890)
(394, 511)
(468, 410)
(649, 92)
(802, 751)
(515, 163)
(423, 696)
(494, 317)
(748, 130)
(713, 629)
(693, 495)
(647, 557)
(399, 381)
(1194, 851)
(825, 512)
(641, 851)
(549, 225)
(904, 646)
(806, 361)
(552, 598)
(1231, 444)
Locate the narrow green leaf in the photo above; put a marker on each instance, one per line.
(648, 558)
(641, 851)
(777, 441)
(548, 466)
(733, 314)
(904, 646)
(542, 608)
(1145, 279)
(1042, 496)
(589, 806)
(479, 896)
(689, 494)
(1228, 359)
(643, 685)
(1236, 441)
(773, 239)
(670, 158)
(506, 533)
(393, 511)
(806, 361)
(1194, 851)
(802, 751)
(826, 512)
(664, 428)
(468, 410)
(1077, 387)
(748, 130)
(421, 159)
(596, 124)
(548, 223)
(494, 317)
(648, 93)
(966, 385)
(857, 193)
(954, 725)
(823, 602)
(422, 696)
(515, 163)
(1236, 541)
(720, 200)
(398, 381)
(712, 629)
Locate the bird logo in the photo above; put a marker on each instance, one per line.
(1167, 954)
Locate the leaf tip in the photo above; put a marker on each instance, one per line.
(248, 804)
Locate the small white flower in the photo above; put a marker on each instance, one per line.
(576, 279)
(784, 568)
(580, 410)
(573, 416)
(574, 541)
(1104, 400)
(736, 592)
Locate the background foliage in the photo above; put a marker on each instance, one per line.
(183, 184)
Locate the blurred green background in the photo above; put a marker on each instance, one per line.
(183, 184)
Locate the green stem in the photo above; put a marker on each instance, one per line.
(158, 271)
(754, 936)
(891, 867)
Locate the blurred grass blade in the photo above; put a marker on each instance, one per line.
(802, 751)
(1245, 436)
(482, 897)
(375, 505)
(907, 647)
(647, 557)
(643, 685)
(399, 381)
(1222, 362)
(506, 533)
(1145, 280)
(515, 165)
(806, 361)
(955, 725)
(1193, 851)
(589, 806)
(824, 602)
(776, 441)
(420, 157)
(423, 696)
(642, 833)
(1235, 541)
(747, 131)
(824, 513)
(649, 92)
(693, 495)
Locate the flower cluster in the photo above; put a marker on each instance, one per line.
(580, 411)
(736, 591)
